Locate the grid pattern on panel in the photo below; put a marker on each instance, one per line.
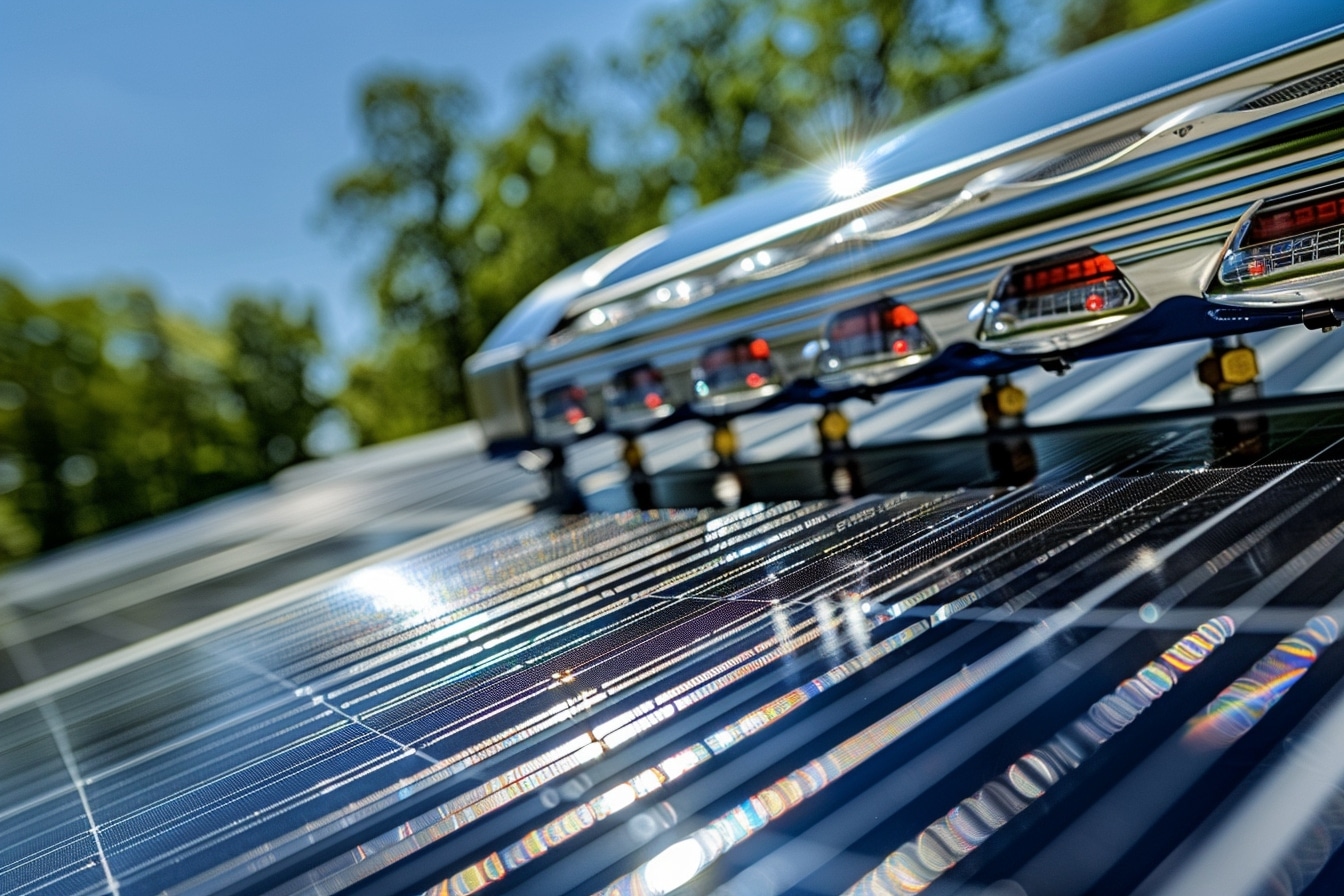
(624, 702)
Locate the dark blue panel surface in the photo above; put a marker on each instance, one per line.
(1137, 635)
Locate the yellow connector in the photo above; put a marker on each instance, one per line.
(1003, 400)
(1223, 370)
(724, 442)
(833, 426)
(633, 456)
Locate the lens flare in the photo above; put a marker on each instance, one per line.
(848, 180)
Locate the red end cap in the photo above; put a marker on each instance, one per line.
(1065, 275)
(1282, 223)
(902, 316)
(759, 349)
(755, 380)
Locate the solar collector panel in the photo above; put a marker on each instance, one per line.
(674, 623)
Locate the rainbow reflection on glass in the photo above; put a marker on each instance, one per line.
(941, 845)
(1245, 701)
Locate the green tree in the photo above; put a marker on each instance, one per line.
(543, 202)
(746, 88)
(397, 390)
(410, 192)
(112, 411)
(272, 351)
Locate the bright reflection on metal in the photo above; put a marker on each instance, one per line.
(533, 844)
(1244, 702)
(392, 593)
(779, 622)
(753, 814)
(848, 180)
(599, 270)
(678, 293)
(674, 866)
(892, 221)
(827, 625)
(752, 263)
(727, 489)
(856, 623)
(941, 845)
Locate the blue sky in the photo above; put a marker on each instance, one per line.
(188, 145)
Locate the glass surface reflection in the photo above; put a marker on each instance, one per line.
(943, 844)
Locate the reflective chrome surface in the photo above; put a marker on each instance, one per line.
(1135, 149)
(735, 376)
(636, 399)
(871, 345)
(1285, 251)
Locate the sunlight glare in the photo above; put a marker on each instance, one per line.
(848, 180)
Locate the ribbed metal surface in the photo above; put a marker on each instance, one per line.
(1083, 157)
(1294, 90)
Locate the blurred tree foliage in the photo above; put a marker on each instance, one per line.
(1086, 21)
(113, 411)
(749, 88)
(712, 96)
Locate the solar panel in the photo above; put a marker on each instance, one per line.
(1106, 676)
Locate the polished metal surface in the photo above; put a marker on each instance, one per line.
(1148, 148)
